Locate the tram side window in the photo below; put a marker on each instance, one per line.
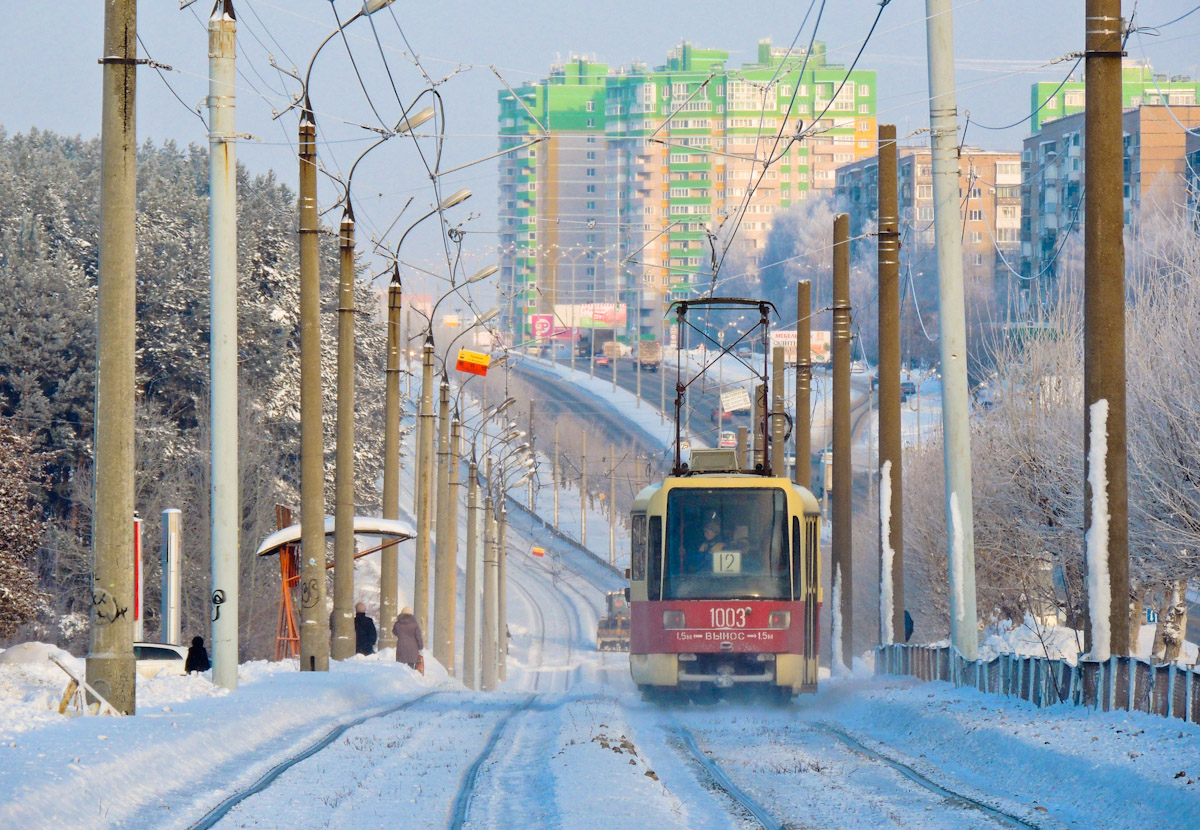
(637, 553)
(654, 558)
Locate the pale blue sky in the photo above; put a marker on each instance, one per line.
(53, 47)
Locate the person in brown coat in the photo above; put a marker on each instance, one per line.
(409, 641)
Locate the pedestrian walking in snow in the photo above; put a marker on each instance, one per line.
(409, 641)
(364, 631)
(197, 657)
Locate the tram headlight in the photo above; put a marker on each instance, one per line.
(673, 619)
(779, 619)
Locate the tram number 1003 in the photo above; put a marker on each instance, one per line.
(727, 617)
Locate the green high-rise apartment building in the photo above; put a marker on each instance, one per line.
(623, 198)
(1139, 85)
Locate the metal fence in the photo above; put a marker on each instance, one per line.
(1124, 683)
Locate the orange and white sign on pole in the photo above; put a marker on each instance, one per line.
(475, 363)
(536, 551)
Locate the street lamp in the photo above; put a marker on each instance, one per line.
(314, 640)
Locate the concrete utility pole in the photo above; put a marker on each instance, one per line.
(952, 328)
(612, 505)
(224, 484)
(388, 568)
(757, 431)
(743, 435)
(502, 586)
(778, 464)
(556, 476)
(841, 639)
(491, 572)
(169, 619)
(110, 663)
(583, 493)
(532, 454)
(471, 612)
(451, 599)
(1106, 508)
(424, 483)
(443, 566)
(802, 427)
(343, 492)
(891, 480)
(314, 632)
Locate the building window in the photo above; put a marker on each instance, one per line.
(976, 237)
(591, 205)
(591, 188)
(975, 215)
(591, 139)
(864, 90)
(863, 109)
(924, 191)
(1052, 103)
(591, 171)
(591, 106)
(591, 155)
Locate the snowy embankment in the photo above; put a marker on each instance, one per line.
(190, 744)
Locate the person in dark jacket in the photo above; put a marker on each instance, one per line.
(409, 641)
(197, 657)
(364, 631)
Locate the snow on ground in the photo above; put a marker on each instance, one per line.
(1034, 639)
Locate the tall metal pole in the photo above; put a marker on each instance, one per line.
(451, 600)
(343, 498)
(1106, 508)
(443, 564)
(841, 638)
(583, 493)
(556, 476)
(388, 566)
(891, 480)
(314, 632)
(172, 536)
(491, 570)
(110, 663)
(425, 462)
(502, 587)
(952, 341)
(778, 465)
(802, 427)
(224, 484)
(471, 612)
(612, 505)
(532, 454)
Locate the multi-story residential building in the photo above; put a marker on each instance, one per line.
(989, 190)
(642, 174)
(1191, 155)
(1154, 170)
(1139, 85)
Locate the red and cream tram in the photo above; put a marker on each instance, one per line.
(724, 581)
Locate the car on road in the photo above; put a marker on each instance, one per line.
(154, 659)
(907, 387)
(727, 439)
(603, 360)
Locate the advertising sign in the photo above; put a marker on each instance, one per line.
(786, 339)
(536, 551)
(543, 327)
(592, 315)
(819, 346)
(735, 399)
(450, 321)
(475, 363)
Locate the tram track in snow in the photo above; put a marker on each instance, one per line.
(265, 780)
(462, 801)
(883, 754)
(722, 781)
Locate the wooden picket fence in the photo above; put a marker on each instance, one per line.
(1120, 683)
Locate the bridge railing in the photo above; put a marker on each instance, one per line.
(1120, 683)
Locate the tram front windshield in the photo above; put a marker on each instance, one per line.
(726, 543)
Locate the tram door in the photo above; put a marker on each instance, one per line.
(812, 586)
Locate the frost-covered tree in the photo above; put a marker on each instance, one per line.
(21, 528)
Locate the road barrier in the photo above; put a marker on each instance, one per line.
(1120, 683)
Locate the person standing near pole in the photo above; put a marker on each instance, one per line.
(409, 642)
(365, 634)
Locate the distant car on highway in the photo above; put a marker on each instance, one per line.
(603, 360)
(727, 439)
(729, 415)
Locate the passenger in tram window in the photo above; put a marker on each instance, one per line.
(712, 535)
